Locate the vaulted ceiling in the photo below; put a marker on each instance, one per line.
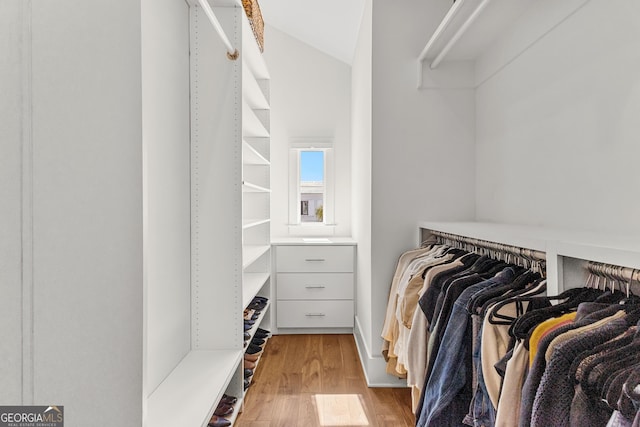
(330, 26)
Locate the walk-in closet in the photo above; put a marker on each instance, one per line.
(311, 213)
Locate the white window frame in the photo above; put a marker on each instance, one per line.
(296, 226)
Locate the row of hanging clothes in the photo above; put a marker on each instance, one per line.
(469, 326)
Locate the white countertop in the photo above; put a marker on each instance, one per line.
(329, 241)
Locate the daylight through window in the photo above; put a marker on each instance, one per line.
(312, 185)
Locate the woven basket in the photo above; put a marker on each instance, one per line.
(252, 9)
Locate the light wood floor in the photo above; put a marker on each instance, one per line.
(317, 380)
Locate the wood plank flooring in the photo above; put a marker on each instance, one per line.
(317, 381)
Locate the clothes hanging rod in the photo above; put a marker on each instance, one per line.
(614, 272)
(444, 24)
(232, 53)
(530, 254)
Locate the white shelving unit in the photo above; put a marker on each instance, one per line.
(567, 251)
(230, 222)
(195, 372)
(256, 179)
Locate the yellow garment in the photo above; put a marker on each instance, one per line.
(543, 328)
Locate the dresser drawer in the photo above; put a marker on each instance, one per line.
(320, 286)
(315, 314)
(301, 259)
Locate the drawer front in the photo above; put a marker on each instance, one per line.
(315, 314)
(307, 286)
(302, 259)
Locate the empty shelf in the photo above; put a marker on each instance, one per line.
(188, 396)
(251, 156)
(252, 253)
(252, 283)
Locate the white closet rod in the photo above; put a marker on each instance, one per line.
(232, 53)
(453, 11)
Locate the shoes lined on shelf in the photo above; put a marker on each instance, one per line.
(251, 357)
(217, 421)
(224, 409)
(229, 400)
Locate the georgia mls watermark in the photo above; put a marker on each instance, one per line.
(31, 416)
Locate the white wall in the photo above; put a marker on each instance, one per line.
(361, 174)
(87, 209)
(422, 155)
(12, 281)
(558, 128)
(167, 188)
(310, 97)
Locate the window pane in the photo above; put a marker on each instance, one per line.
(311, 186)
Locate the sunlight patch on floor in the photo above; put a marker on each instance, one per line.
(340, 410)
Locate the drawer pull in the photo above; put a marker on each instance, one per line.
(315, 314)
(315, 287)
(315, 259)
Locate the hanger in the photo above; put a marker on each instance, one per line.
(570, 298)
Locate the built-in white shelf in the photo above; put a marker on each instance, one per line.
(252, 92)
(251, 124)
(252, 283)
(248, 187)
(251, 156)
(558, 244)
(578, 243)
(188, 396)
(251, 55)
(250, 253)
(248, 223)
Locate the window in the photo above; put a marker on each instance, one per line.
(311, 184)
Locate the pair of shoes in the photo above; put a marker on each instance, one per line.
(223, 410)
(251, 357)
(249, 364)
(253, 349)
(217, 421)
(247, 383)
(258, 341)
(248, 373)
(258, 303)
(229, 400)
(261, 335)
(247, 336)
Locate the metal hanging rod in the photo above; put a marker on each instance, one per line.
(613, 272)
(232, 53)
(529, 254)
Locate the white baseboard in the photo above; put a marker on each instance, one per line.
(300, 331)
(374, 367)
